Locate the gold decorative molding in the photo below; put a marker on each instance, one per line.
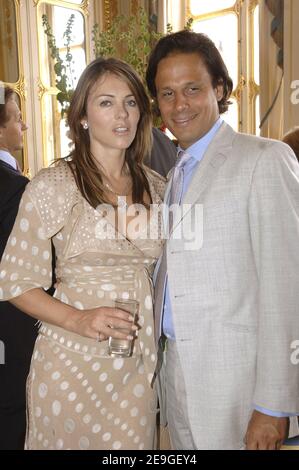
(239, 88)
(252, 5)
(85, 7)
(254, 90)
(27, 173)
(237, 7)
(41, 89)
(110, 11)
(214, 14)
(20, 87)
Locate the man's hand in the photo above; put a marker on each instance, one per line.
(266, 432)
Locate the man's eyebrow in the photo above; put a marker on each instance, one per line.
(194, 82)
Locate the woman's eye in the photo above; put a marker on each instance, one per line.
(132, 103)
(105, 103)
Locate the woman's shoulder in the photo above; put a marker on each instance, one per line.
(54, 174)
(54, 193)
(55, 180)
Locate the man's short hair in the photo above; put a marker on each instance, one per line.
(189, 42)
(8, 93)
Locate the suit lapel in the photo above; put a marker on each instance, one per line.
(214, 157)
(8, 167)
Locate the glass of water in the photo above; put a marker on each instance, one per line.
(124, 347)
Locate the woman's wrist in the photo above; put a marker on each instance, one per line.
(71, 319)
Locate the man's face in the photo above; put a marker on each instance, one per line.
(186, 98)
(11, 134)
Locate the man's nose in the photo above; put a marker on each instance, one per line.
(181, 102)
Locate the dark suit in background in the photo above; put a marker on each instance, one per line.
(17, 330)
(163, 155)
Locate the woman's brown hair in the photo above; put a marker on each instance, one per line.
(87, 174)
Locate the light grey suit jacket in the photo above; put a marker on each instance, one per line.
(235, 299)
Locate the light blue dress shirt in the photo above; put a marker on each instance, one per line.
(196, 152)
(8, 158)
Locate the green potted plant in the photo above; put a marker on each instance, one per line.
(129, 38)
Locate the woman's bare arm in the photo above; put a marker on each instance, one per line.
(97, 323)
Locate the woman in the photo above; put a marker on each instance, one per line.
(78, 396)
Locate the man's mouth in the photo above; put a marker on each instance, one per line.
(184, 121)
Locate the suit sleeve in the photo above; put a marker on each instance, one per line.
(9, 207)
(274, 227)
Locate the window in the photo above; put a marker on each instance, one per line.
(55, 141)
(234, 28)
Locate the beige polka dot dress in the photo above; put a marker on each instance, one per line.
(78, 397)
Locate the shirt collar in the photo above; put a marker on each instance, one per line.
(8, 158)
(198, 149)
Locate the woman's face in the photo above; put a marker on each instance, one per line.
(112, 114)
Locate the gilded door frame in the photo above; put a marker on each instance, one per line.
(20, 85)
(249, 86)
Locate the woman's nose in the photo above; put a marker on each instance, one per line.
(24, 126)
(121, 111)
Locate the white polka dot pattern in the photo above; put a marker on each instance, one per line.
(78, 396)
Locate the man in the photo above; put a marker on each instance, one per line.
(17, 330)
(228, 303)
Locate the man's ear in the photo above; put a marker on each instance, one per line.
(219, 92)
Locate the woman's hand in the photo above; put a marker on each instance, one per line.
(101, 322)
(97, 323)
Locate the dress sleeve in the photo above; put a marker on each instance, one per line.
(26, 262)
